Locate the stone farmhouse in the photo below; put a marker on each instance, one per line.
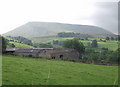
(49, 53)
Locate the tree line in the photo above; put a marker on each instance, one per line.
(72, 34)
(21, 39)
(113, 38)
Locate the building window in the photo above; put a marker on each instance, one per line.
(61, 56)
(53, 57)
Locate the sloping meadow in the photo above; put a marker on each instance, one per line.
(29, 71)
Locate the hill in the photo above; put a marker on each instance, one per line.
(38, 29)
(27, 71)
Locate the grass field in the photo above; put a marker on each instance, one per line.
(28, 71)
(48, 39)
(111, 45)
(21, 45)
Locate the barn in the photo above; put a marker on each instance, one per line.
(49, 53)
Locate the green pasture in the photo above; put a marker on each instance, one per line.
(28, 71)
(47, 39)
(111, 45)
(21, 45)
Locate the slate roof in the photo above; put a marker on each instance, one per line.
(37, 50)
(27, 50)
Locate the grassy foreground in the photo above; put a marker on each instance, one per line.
(28, 71)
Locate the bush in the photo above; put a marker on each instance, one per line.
(104, 55)
(94, 44)
(106, 49)
(42, 45)
(75, 44)
(30, 55)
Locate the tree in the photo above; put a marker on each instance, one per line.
(118, 54)
(113, 57)
(75, 44)
(88, 45)
(107, 38)
(112, 38)
(94, 43)
(43, 45)
(3, 44)
(118, 37)
(12, 45)
(21, 39)
(86, 38)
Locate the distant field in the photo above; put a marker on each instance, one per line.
(21, 45)
(111, 45)
(51, 38)
(28, 71)
(47, 39)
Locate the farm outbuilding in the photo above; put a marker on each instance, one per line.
(49, 53)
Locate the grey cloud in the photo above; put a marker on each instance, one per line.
(106, 15)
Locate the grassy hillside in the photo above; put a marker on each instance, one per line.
(111, 45)
(38, 29)
(48, 39)
(21, 45)
(28, 71)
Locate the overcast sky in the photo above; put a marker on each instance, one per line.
(102, 13)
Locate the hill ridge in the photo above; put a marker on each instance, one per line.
(38, 29)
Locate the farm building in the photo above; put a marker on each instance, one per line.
(49, 53)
